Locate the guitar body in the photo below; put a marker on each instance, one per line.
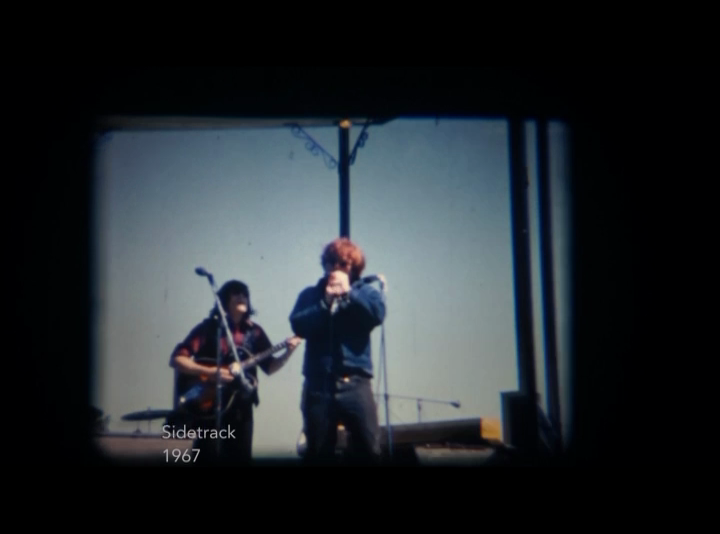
(199, 395)
(203, 405)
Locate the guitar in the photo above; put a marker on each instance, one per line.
(199, 398)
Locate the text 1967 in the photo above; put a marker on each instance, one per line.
(185, 456)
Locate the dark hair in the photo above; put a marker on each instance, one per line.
(230, 289)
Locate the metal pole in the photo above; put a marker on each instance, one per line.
(175, 390)
(344, 172)
(455, 404)
(387, 395)
(546, 265)
(522, 280)
(218, 382)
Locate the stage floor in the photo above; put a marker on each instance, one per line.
(148, 449)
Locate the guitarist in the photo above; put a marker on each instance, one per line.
(201, 342)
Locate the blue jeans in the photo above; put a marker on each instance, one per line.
(347, 400)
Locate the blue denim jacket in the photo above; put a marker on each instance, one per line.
(340, 342)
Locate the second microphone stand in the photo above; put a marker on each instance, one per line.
(420, 400)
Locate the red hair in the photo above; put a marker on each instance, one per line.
(344, 252)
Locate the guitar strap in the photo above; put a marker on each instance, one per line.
(248, 343)
(248, 339)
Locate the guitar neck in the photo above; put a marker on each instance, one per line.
(264, 354)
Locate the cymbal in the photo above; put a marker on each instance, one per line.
(147, 415)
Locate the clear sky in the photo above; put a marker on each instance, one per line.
(429, 205)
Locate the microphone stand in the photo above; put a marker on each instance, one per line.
(420, 400)
(387, 402)
(240, 375)
(381, 280)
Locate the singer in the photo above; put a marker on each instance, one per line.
(201, 342)
(336, 317)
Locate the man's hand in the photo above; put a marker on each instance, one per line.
(340, 280)
(338, 284)
(225, 375)
(293, 342)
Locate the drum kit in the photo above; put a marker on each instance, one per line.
(150, 415)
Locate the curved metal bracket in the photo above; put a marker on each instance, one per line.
(360, 141)
(313, 147)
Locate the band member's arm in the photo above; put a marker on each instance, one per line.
(181, 358)
(274, 363)
(184, 364)
(310, 314)
(368, 302)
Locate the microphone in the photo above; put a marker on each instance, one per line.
(202, 272)
(374, 278)
(338, 300)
